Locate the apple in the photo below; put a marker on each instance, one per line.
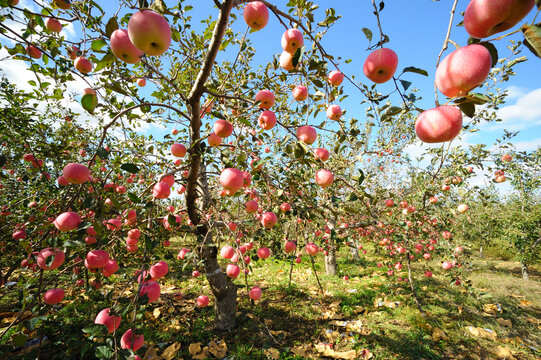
(202, 301)
(67, 221)
(428, 274)
(335, 78)
(214, 140)
(104, 317)
(268, 219)
(256, 15)
(487, 17)
(263, 252)
(266, 99)
(389, 202)
(76, 173)
(255, 293)
(307, 134)
(506, 158)
(167, 226)
(289, 246)
(247, 179)
(311, 249)
(89, 240)
(63, 4)
(463, 70)
(178, 150)
(433, 200)
(142, 82)
(110, 268)
(169, 179)
(267, 120)
(446, 265)
(113, 224)
(227, 252)
(149, 32)
(132, 341)
(445, 187)
(251, 206)
(83, 65)
(232, 226)
(322, 154)
(159, 269)
(42, 258)
(134, 233)
(286, 61)
(14, 2)
(462, 208)
(324, 178)
(232, 271)
(285, 207)
(19, 234)
(53, 296)
(96, 259)
(182, 253)
(292, 40)
(380, 65)
(122, 47)
(33, 51)
(334, 112)
(446, 235)
(53, 25)
(439, 124)
(161, 190)
(223, 128)
(232, 179)
(300, 93)
(427, 256)
(151, 289)
(73, 52)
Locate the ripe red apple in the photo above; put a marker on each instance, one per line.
(76, 173)
(113, 224)
(227, 252)
(446, 265)
(152, 290)
(202, 301)
(33, 51)
(506, 158)
(43, 255)
(300, 93)
(389, 202)
(268, 219)
(311, 249)
(380, 65)
(67, 221)
(462, 208)
(433, 200)
(255, 293)
(161, 190)
(267, 120)
(324, 178)
(428, 274)
(334, 112)
(463, 70)
(266, 99)
(14, 2)
(132, 341)
(53, 296)
(263, 252)
(286, 61)
(292, 40)
(83, 65)
(53, 25)
(256, 15)
(105, 318)
(232, 271)
(223, 128)
(110, 268)
(96, 259)
(122, 47)
(322, 154)
(214, 140)
(178, 150)
(251, 206)
(335, 78)
(19, 234)
(285, 207)
(289, 246)
(307, 134)
(149, 32)
(159, 269)
(439, 124)
(63, 4)
(487, 17)
(232, 179)
(141, 82)
(247, 179)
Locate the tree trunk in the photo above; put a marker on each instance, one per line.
(224, 290)
(355, 254)
(525, 274)
(481, 251)
(330, 262)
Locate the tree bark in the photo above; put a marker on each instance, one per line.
(355, 254)
(330, 262)
(525, 274)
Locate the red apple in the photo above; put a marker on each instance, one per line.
(53, 296)
(263, 253)
(335, 78)
(389, 202)
(506, 158)
(110, 268)
(132, 341)
(232, 271)
(255, 293)
(300, 93)
(53, 25)
(463, 70)
(227, 252)
(104, 318)
(63, 4)
(285, 207)
(334, 112)
(178, 150)
(256, 15)
(122, 47)
(311, 249)
(286, 61)
(380, 65)
(83, 65)
(439, 124)
(214, 140)
(446, 265)
(232, 179)
(141, 82)
(33, 51)
(67, 221)
(149, 32)
(76, 173)
(161, 190)
(289, 246)
(322, 154)
(462, 208)
(251, 206)
(268, 219)
(223, 128)
(266, 99)
(96, 259)
(267, 120)
(324, 178)
(159, 269)
(202, 301)
(307, 134)
(487, 17)
(152, 290)
(292, 40)
(43, 255)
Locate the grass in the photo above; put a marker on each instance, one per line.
(290, 321)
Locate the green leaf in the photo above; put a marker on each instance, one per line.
(111, 26)
(297, 57)
(102, 153)
(368, 33)
(105, 61)
(492, 50)
(116, 87)
(129, 167)
(413, 69)
(405, 84)
(104, 352)
(467, 108)
(361, 177)
(89, 102)
(3, 160)
(98, 44)
(172, 220)
(532, 38)
(134, 198)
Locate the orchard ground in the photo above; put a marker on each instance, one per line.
(498, 316)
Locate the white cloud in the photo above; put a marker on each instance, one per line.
(514, 92)
(525, 113)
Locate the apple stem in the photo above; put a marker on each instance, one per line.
(445, 45)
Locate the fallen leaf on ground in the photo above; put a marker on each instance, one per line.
(152, 354)
(171, 351)
(438, 335)
(503, 353)
(299, 350)
(504, 322)
(272, 353)
(326, 350)
(218, 349)
(194, 349)
(483, 333)
(156, 313)
(492, 309)
(524, 303)
(534, 321)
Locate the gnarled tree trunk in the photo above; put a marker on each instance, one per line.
(330, 262)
